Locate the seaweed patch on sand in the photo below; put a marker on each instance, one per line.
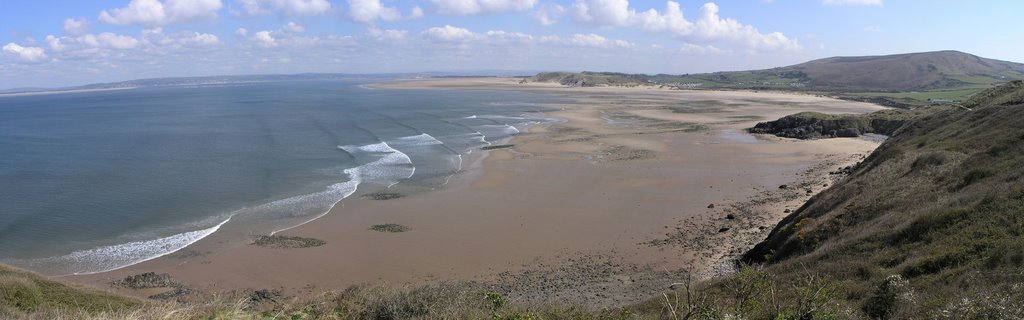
(145, 281)
(497, 146)
(383, 195)
(389, 227)
(623, 153)
(152, 280)
(284, 242)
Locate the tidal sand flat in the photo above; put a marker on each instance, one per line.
(632, 186)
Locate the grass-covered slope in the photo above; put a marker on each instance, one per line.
(24, 294)
(937, 211)
(908, 72)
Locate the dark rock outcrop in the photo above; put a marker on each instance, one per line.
(813, 125)
(145, 281)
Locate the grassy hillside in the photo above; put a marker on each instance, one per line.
(894, 80)
(933, 220)
(741, 296)
(908, 72)
(24, 294)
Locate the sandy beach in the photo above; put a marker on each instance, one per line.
(636, 187)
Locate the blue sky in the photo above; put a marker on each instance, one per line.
(59, 43)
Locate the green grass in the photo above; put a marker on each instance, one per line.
(23, 293)
(940, 205)
(753, 293)
(921, 97)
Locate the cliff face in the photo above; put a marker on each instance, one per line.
(940, 204)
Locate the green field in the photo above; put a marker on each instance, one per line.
(921, 97)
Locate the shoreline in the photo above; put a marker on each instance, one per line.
(49, 92)
(634, 160)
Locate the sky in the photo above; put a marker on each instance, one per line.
(55, 43)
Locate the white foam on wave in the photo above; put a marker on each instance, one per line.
(470, 117)
(422, 139)
(391, 166)
(501, 117)
(505, 131)
(107, 258)
(337, 192)
(481, 137)
(544, 118)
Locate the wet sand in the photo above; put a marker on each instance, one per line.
(609, 207)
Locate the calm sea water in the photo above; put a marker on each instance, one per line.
(96, 181)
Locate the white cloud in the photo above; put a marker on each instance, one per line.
(264, 38)
(155, 38)
(672, 20)
(54, 43)
(368, 11)
(416, 13)
(155, 12)
(284, 7)
(689, 48)
(117, 41)
(76, 26)
(604, 12)
(586, 40)
(387, 34)
(501, 38)
(448, 33)
(26, 54)
(242, 32)
(190, 38)
(85, 40)
(593, 40)
(293, 27)
(708, 26)
(467, 7)
(94, 41)
(853, 2)
(548, 14)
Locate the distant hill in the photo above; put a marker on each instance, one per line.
(905, 72)
(900, 80)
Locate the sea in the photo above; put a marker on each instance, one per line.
(96, 181)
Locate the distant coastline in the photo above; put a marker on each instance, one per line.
(49, 92)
